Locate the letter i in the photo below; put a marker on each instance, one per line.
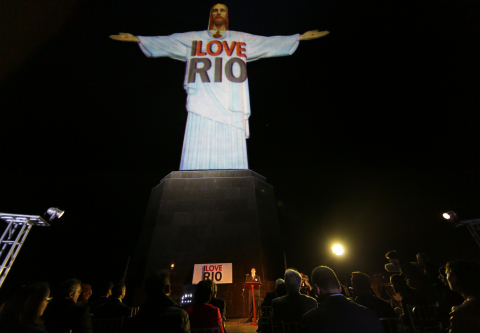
(194, 48)
(218, 69)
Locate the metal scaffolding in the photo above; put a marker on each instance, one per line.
(18, 227)
(474, 228)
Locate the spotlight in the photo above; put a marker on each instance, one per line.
(450, 216)
(54, 212)
(337, 249)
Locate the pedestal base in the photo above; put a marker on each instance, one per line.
(220, 216)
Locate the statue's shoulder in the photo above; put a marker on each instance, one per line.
(191, 34)
(238, 35)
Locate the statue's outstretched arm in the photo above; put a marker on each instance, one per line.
(125, 37)
(313, 34)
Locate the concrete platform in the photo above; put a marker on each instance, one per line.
(237, 326)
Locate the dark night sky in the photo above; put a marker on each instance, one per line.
(367, 135)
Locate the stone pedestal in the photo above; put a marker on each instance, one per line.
(218, 216)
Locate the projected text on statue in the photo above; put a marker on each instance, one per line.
(216, 83)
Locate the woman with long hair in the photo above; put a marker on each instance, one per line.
(202, 314)
(22, 312)
(85, 295)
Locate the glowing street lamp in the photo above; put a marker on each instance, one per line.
(337, 249)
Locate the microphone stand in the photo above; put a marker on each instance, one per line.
(243, 297)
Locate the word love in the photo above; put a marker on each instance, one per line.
(239, 47)
(215, 48)
(212, 272)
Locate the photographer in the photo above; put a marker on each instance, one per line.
(305, 287)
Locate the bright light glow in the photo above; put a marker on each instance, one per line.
(172, 265)
(337, 249)
(446, 216)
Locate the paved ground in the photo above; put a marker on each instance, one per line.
(237, 326)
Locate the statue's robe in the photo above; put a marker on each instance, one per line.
(216, 83)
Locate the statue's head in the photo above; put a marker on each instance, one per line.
(218, 17)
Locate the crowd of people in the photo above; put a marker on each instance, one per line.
(325, 305)
(318, 304)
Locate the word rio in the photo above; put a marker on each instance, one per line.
(212, 272)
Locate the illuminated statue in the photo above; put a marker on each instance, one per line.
(216, 82)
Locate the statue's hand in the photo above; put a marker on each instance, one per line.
(124, 37)
(313, 34)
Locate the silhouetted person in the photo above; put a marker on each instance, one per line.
(413, 274)
(361, 285)
(281, 290)
(305, 287)
(64, 314)
(86, 294)
(105, 292)
(291, 307)
(430, 270)
(22, 312)
(271, 295)
(449, 298)
(114, 307)
(336, 313)
(159, 313)
(464, 277)
(410, 296)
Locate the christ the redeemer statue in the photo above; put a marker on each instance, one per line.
(216, 82)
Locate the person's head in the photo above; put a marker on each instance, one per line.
(293, 280)
(158, 284)
(86, 293)
(394, 258)
(218, 17)
(398, 282)
(253, 271)
(106, 289)
(119, 290)
(361, 283)
(325, 281)
(279, 281)
(27, 305)
(464, 277)
(203, 292)
(70, 289)
(281, 290)
(422, 258)
(442, 276)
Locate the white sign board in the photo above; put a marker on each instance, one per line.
(218, 273)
